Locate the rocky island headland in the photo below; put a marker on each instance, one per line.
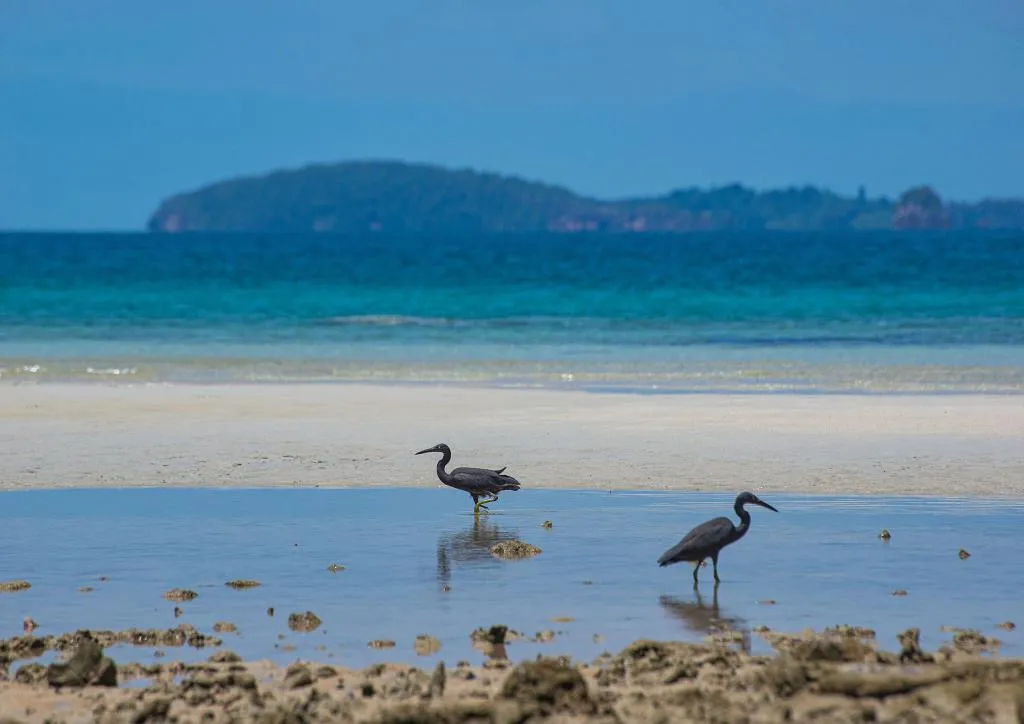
(402, 198)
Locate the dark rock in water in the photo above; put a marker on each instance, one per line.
(225, 627)
(885, 534)
(512, 550)
(899, 592)
(304, 622)
(1007, 625)
(14, 586)
(546, 525)
(270, 611)
(242, 583)
(425, 645)
(546, 687)
(493, 635)
(964, 555)
(334, 568)
(381, 644)
(180, 595)
(88, 667)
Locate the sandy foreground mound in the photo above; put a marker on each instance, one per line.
(835, 675)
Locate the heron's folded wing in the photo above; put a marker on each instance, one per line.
(701, 541)
(475, 479)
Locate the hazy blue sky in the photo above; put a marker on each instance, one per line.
(107, 106)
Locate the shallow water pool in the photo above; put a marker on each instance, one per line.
(416, 562)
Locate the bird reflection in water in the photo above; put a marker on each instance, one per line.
(705, 619)
(468, 547)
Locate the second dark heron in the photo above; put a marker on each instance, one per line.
(478, 482)
(709, 538)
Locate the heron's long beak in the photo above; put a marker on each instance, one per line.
(765, 505)
(429, 449)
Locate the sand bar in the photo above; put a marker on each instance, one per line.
(71, 435)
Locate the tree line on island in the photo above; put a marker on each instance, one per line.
(397, 197)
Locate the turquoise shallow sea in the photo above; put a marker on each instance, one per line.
(879, 312)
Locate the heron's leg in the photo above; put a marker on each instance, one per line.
(696, 568)
(714, 560)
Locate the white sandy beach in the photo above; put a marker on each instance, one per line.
(364, 435)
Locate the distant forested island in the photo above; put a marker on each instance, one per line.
(397, 197)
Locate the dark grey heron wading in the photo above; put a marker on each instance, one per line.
(478, 482)
(709, 538)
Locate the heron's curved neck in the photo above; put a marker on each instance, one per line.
(446, 458)
(744, 525)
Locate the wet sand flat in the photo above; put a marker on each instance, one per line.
(68, 435)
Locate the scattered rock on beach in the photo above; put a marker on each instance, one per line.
(304, 622)
(297, 676)
(14, 586)
(973, 642)
(28, 625)
(180, 595)
(242, 583)
(547, 687)
(224, 657)
(514, 550)
(87, 667)
(225, 627)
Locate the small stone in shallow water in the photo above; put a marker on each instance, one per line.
(767, 602)
(242, 583)
(304, 622)
(28, 625)
(546, 525)
(562, 619)
(899, 592)
(225, 627)
(426, 645)
(13, 586)
(270, 611)
(381, 644)
(85, 589)
(885, 534)
(334, 568)
(514, 550)
(1007, 625)
(180, 595)
(964, 555)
